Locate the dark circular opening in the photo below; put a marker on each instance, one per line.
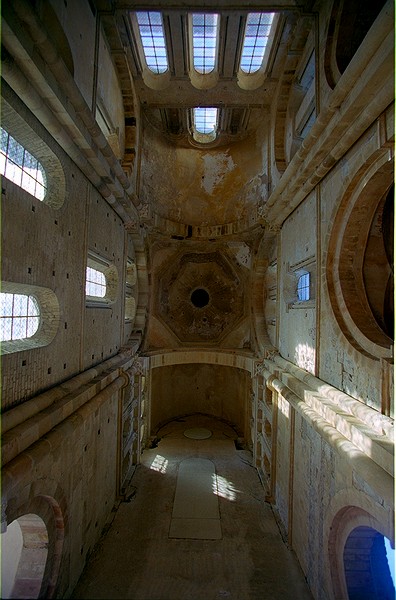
(200, 298)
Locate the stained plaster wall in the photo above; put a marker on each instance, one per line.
(207, 187)
(199, 388)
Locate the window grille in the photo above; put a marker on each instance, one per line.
(21, 167)
(257, 31)
(19, 316)
(152, 35)
(204, 39)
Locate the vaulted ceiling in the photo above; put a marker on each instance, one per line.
(202, 199)
(166, 105)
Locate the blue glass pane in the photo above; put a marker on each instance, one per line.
(303, 287)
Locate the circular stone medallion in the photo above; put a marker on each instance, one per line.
(198, 433)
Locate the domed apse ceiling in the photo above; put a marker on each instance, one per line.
(200, 296)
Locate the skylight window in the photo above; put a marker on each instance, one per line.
(205, 120)
(258, 27)
(151, 31)
(204, 37)
(21, 167)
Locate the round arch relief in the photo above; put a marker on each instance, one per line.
(360, 261)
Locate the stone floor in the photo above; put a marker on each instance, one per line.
(138, 560)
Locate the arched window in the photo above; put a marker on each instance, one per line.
(29, 316)
(152, 35)
(101, 281)
(19, 316)
(257, 32)
(204, 42)
(205, 120)
(21, 167)
(204, 124)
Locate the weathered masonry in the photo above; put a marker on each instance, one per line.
(197, 219)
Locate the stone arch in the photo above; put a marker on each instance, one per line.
(355, 531)
(49, 518)
(25, 551)
(360, 257)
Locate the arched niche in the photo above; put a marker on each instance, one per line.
(349, 24)
(360, 260)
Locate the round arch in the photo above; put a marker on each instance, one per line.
(353, 528)
(359, 269)
(44, 514)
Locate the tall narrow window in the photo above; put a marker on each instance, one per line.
(303, 286)
(21, 167)
(151, 31)
(204, 38)
(19, 316)
(205, 120)
(258, 27)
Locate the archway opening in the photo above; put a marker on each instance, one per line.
(24, 555)
(369, 565)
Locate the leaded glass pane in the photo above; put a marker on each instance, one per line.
(5, 329)
(152, 35)
(18, 165)
(32, 326)
(205, 34)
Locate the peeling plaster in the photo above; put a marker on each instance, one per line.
(242, 253)
(215, 167)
